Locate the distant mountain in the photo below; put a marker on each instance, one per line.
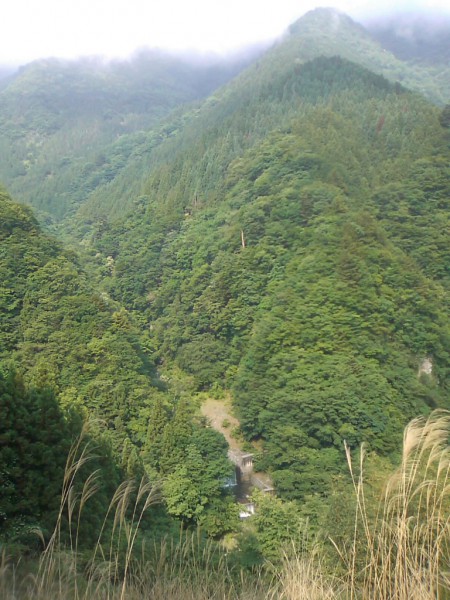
(327, 31)
(56, 118)
(83, 135)
(419, 37)
(322, 32)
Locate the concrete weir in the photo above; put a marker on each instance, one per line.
(219, 415)
(246, 478)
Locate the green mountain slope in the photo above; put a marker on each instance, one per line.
(293, 247)
(341, 36)
(68, 354)
(250, 106)
(59, 333)
(86, 134)
(56, 335)
(285, 239)
(57, 119)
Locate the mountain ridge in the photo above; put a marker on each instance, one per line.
(283, 240)
(298, 261)
(128, 139)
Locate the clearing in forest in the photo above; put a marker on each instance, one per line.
(218, 413)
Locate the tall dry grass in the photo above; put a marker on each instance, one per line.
(407, 545)
(118, 570)
(401, 554)
(305, 577)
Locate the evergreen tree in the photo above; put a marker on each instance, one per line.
(35, 438)
(158, 422)
(176, 437)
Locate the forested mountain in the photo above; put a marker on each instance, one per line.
(62, 334)
(327, 32)
(68, 126)
(60, 356)
(283, 242)
(307, 272)
(68, 354)
(87, 133)
(269, 90)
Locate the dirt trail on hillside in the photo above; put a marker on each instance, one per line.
(218, 412)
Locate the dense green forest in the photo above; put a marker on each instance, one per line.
(81, 137)
(309, 276)
(67, 127)
(71, 354)
(280, 244)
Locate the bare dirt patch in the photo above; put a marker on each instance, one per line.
(219, 414)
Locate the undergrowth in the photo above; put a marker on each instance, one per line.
(400, 554)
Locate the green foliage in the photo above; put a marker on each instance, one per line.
(204, 357)
(23, 250)
(63, 335)
(285, 239)
(81, 137)
(154, 443)
(70, 127)
(278, 527)
(339, 35)
(444, 118)
(308, 272)
(193, 460)
(82, 347)
(35, 438)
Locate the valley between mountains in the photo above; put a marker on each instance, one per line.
(247, 254)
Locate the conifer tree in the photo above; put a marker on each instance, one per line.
(157, 424)
(176, 437)
(35, 438)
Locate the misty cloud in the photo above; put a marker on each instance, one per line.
(67, 29)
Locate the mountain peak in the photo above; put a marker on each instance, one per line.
(323, 17)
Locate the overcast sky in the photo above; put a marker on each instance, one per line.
(69, 28)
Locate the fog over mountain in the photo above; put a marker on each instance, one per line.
(67, 30)
(215, 254)
(6, 70)
(420, 36)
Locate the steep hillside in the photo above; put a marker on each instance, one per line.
(58, 118)
(304, 267)
(68, 354)
(342, 36)
(60, 334)
(246, 109)
(86, 134)
(282, 245)
(285, 239)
